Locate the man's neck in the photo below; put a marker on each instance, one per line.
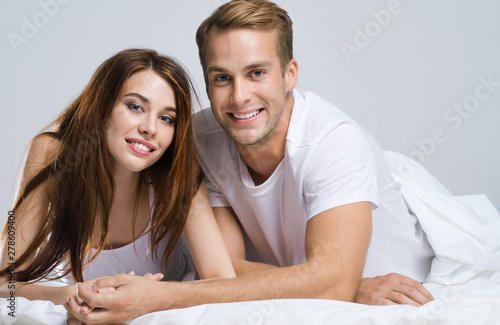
(263, 158)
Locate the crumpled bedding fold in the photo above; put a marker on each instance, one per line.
(464, 231)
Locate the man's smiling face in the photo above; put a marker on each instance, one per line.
(245, 83)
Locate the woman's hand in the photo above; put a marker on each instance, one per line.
(85, 309)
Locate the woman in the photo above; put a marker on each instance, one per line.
(114, 186)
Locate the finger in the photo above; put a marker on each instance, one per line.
(384, 301)
(413, 293)
(70, 320)
(98, 316)
(156, 277)
(113, 281)
(426, 292)
(408, 295)
(86, 309)
(91, 299)
(405, 290)
(402, 299)
(423, 290)
(418, 286)
(73, 308)
(78, 299)
(131, 273)
(106, 290)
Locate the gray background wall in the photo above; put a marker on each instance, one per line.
(422, 76)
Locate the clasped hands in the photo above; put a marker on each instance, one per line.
(84, 306)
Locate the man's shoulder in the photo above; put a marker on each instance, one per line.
(204, 123)
(212, 144)
(312, 107)
(313, 118)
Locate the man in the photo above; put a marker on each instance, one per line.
(294, 182)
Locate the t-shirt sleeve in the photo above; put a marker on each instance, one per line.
(217, 199)
(341, 170)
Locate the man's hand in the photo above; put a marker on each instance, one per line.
(392, 289)
(72, 320)
(115, 299)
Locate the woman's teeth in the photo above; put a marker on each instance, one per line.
(140, 146)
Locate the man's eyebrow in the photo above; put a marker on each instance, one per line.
(253, 66)
(215, 68)
(145, 100)
(257, 65)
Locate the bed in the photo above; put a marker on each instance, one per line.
(464, 232)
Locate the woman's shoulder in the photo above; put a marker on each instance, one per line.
(41, 151)
(44, 147)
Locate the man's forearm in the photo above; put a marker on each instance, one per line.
(300, 281)
(243, 267)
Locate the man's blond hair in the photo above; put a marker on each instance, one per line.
(252, 14)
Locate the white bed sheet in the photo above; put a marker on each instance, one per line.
(454, 305)
(464, 278)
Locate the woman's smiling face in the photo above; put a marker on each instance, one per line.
(142, 123)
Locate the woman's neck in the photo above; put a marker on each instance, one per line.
(130, 212)
(126, 182)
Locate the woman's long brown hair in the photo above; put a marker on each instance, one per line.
(83, 179)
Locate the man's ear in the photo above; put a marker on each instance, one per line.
(291, 75)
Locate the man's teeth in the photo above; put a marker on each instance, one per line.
(245, 116)
(140, 146)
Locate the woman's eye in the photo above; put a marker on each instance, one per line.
(167, 119)
(134, 107)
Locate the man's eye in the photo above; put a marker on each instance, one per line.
(258, 73)
(222, 78)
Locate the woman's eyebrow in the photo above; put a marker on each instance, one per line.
(144, 99)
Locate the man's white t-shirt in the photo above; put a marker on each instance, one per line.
(329, 161)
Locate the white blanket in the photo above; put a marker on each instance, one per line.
(464, 231)
(472, 304)
(465, 275)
